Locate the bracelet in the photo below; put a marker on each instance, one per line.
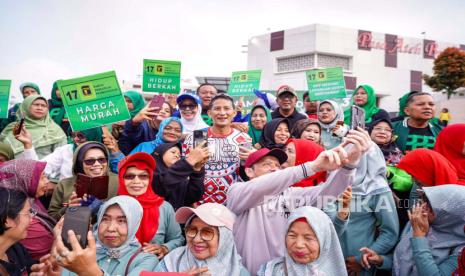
(348, 168)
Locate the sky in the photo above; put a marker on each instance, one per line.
(46, 40)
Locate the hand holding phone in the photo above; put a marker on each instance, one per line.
(357, 118)
(156, 103)
(18, 127)
(77, 219)
(200, 138)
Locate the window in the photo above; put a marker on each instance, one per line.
(326, 61)
(296, 63)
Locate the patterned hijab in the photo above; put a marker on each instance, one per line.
(226, 262)
(445, 236)
(133, 212)
(370, 106)
(329, 262)
(43, 131)
(339, 115)
(23, 175)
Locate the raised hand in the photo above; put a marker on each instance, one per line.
(147, 113)
(419, 219)
(357, 142)
(25, 138)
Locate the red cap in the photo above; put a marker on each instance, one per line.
(259, 154)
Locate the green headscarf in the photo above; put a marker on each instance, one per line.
(7, 151)
(29, 84)
(57, 110)
(44, 131)
(253, 132)
(403, 103)
(137, 100)
(370, 106)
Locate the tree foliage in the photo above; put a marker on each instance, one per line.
(448, 72)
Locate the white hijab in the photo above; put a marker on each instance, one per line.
(195, 123)
(330, 261)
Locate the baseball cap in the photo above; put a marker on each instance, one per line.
(185, 96)
(259, 154)
(285, 88)
(213, 214)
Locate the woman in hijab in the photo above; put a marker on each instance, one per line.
(158, 232)
(375, 223)
(27, 89)
(312, 247)
(259, 116)
(331, 118)
(210, 244)
(275, 134)
(113, 249)
(451, 144)
(6, 152)
(46, 135)
(179, 180)
(365, 97)
(57, 110)
(134, 101)
(191, 113)
(428, 168)
(307, 129)
(170, 131)
(300, 151)
(143, 127)
(431, 242)
(89, 159)
(27, 176)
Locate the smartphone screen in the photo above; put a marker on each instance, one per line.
(357, 117)
(200, 136)
(76, 219)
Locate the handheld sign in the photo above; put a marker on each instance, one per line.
(4, 97)
(161, 76)
(93, 101)
(244, 82)
(325, 84)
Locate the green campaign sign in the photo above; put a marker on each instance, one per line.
(161, 76)
(4, 97)
(244, 82)
(93, 101)
(325, 84)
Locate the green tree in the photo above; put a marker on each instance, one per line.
(448, 72)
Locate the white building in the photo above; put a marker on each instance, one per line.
(391, 64)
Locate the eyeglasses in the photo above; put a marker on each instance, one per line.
(31, 212)
(206, 234)
(382, 129)
(90, 162)
(187, 107)
(286, 95)
(133, 176)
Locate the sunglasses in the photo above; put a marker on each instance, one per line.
(206, 234)
(133, 176)
(187, 107)
(90, 162)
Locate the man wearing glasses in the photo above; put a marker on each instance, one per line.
(287, 100)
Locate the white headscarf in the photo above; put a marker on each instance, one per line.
(133, 212)
(339, 114)
(445, 236)
(227, 261)
(329, 262)
(195, 124)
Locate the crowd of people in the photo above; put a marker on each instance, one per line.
(272, 191)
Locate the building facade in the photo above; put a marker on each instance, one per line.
(392, 64)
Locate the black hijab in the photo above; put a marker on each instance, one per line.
(158, 155)
(267, 139)
(388, 148)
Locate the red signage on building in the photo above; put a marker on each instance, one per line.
(429, 48)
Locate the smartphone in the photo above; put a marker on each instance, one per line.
(77, 218)
(157, 101)
(245, 144)
(96, 186)
(200, 136)
(18, 127)
(357, 118)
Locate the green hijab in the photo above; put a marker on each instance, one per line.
(370, 106)
(29, 84)
(57, 110)
(137, 100)
(7, 151)
(253, 132)
(403, 103)
(44, 132)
